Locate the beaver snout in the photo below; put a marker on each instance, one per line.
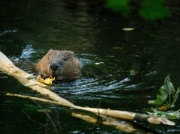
(54, 66)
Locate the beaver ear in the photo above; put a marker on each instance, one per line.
(50, 50)
(69, 55)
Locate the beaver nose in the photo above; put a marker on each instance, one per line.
(54, 66)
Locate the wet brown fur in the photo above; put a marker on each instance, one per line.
(68, 65)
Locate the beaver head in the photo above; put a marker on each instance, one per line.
(63, 65)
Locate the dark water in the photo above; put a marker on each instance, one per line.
(107, 54)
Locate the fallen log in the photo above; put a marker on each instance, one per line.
(28, 80)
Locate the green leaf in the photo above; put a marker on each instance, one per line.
(163, 92)
(168, 86)
(121, 6)
(153, 9)
(167, 96)
(173, 115)
(160, 98)
(159, 101)
(176, 94)
(168, 114)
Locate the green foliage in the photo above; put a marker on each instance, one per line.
(167, 96)
(166, 99)
(149, 9)
(121, 6)
(153, 9)
(168, 114)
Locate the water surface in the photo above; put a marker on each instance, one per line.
(108, 56)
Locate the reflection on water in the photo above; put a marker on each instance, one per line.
(121, 69)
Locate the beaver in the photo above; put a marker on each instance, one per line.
(61, 64)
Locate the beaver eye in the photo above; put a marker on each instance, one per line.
(65, 59)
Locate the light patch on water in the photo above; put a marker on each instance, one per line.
(7, 31)
(27, 52)
(151, 73)
(98, 63)
(89, 86)
(85, 61)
